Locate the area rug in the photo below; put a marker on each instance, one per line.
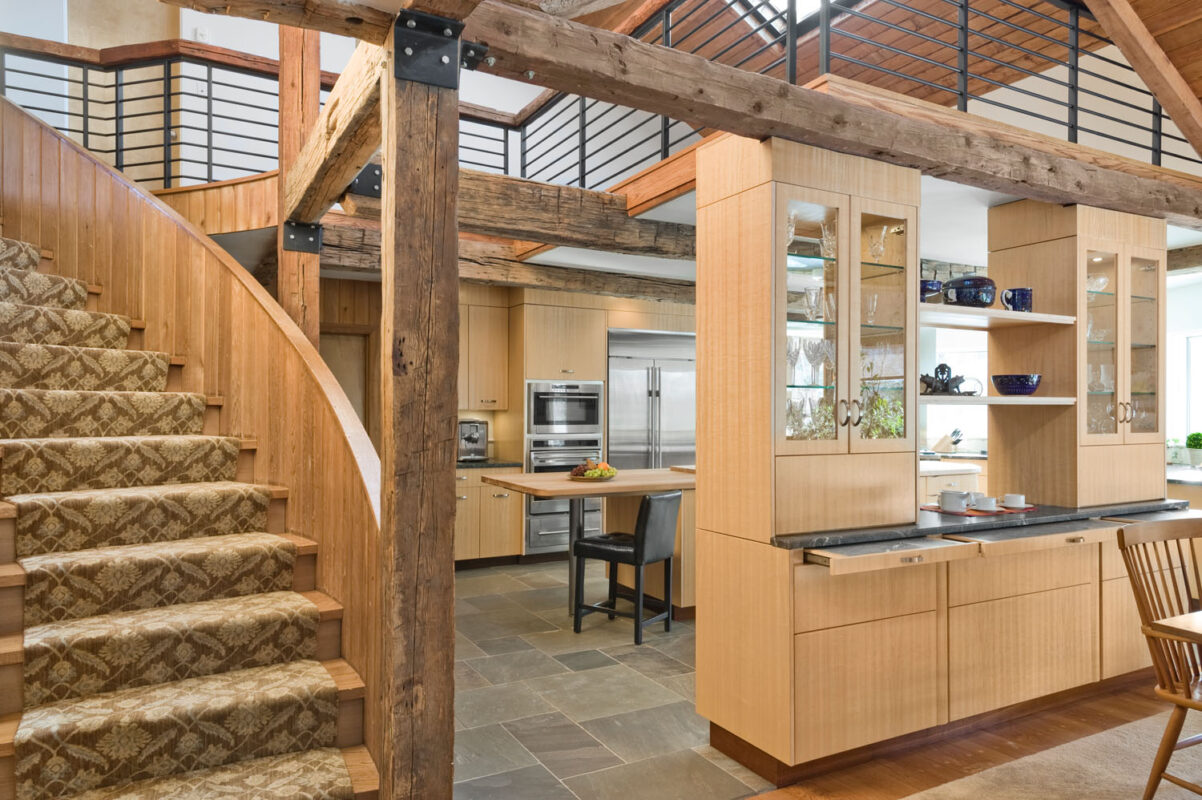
(1113, 765)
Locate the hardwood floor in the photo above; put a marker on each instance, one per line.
(923, 767)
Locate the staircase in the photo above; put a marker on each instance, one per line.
(160, 632)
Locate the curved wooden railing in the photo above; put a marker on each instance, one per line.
(237, 343)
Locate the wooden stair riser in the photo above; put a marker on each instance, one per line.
(175, 374)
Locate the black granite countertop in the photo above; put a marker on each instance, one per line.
(489, 464)
(932, 523)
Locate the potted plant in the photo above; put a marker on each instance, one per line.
(1193, 443)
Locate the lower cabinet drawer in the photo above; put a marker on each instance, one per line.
(995, 577)
(1124, 648)
(822, 600)
(864, 683)
(1006, 651)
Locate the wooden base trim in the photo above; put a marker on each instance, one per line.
(782, 774)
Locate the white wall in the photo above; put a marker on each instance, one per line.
(44, 20)
(1185, 298)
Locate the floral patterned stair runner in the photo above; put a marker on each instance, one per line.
(164, 653)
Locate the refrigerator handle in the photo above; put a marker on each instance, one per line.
(651, 416)
(655, 419)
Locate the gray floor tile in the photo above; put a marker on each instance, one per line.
(585, 659)
(486, 602)
(510, 644)
(561, 745)
(601, 692)
(732, 767)
(517, 666)
(499, 624)
(543, 580)
(682, 648)
(488, 751)
(651, 731)
(464, 648)
(473, 583)
(594, 636)
(683, 685)
(491, 704)
(553, 598)
(648, 660)
(467, 678)
(528, 783)
(678, 776)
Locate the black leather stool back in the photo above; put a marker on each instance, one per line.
(655, 531)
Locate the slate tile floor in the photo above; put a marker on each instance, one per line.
(542, 713)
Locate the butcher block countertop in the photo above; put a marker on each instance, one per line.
(546, 485)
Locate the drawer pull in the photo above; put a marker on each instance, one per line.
(502, 496)
(461, 477)
(568, 371)
(911, 559)
(461, 497)
(488, 401)
(1075, 539)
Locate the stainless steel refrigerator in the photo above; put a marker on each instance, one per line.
(652, 399)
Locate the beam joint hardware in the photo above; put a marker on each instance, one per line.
(427, 50)
(300, 237)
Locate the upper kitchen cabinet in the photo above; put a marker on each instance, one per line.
(1108, 270)
(483, 348)
(813, 256)
(563, 344)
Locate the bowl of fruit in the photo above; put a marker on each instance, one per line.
(593, 471)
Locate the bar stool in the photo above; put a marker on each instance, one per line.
(653, 540)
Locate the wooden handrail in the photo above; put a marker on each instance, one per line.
(133, 54)
(237, 343)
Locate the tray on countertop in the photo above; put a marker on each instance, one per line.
(972, 512)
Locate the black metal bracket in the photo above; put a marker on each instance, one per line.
(471, 54)
(302, 238)
(369, 182)
(427, 49)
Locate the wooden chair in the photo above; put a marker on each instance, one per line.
(1163, 568)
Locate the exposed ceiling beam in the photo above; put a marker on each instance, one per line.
(350, 246)
(346, 136)
(1124, 25)
(1185, 257)
(563, 216)
(573, 58)
(344, 17)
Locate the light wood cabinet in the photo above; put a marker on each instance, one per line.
(564, 343)
(488, 520)
(1124, 648)
(621, 514)
(483, 358)
(864, 683)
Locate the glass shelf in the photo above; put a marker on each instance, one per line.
(1099, 294)
(794, 319)
(882, 330)
(1100, 344)
(898, 267)
(1138, 346)
(796, 263)
(1100, 394)
(808, 386)
(1143, 394)
(1145, 299)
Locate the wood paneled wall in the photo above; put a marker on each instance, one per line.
(240, 204)
(238, 344)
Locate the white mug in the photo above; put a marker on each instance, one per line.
(1015, 501)
(985, 504)
(951, 500)
(974, 498)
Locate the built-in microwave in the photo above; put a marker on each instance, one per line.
(564, 408)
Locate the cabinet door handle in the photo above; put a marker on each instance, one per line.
(461, 477)
(1128, 412)
(502, 495)
(846, 409)
(568, 371)
(1075, 539)
(911, 559)
(461, 497)
(488, 401)
(855, 404)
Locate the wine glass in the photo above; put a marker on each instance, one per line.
(815, 350)
(814, 302)
(829, 242)
(832, 302)
(828, 354)
(876, 244)
(792, 356)
(870, 304)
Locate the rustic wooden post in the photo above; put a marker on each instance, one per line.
(298, 273)
(419, 339)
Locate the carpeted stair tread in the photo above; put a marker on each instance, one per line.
(111, 652)
(153, 731)
(44, 325)
(313, 775)
(39, 413)
(60, 464)
(32, 288)
(110, 580)
(53, 522)
(45, 366)
(18, 254)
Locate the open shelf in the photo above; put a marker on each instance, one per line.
(994, 400)
(936, 315)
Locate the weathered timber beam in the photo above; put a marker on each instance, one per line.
(1141, 49)
(344, 17)
(1185, 257)
(354, 248)
(564, 55)
(346, 136)
(564, 216)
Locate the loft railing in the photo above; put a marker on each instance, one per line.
(176, 113)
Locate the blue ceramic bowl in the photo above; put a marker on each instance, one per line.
(1017, 384)
(970, 291)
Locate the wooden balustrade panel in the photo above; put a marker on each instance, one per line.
(238, 343)
(240, 204)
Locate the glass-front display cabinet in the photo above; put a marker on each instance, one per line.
(847, 290)
(1122, 387)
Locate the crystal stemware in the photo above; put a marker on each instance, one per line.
(815, 350)
(876, 244)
